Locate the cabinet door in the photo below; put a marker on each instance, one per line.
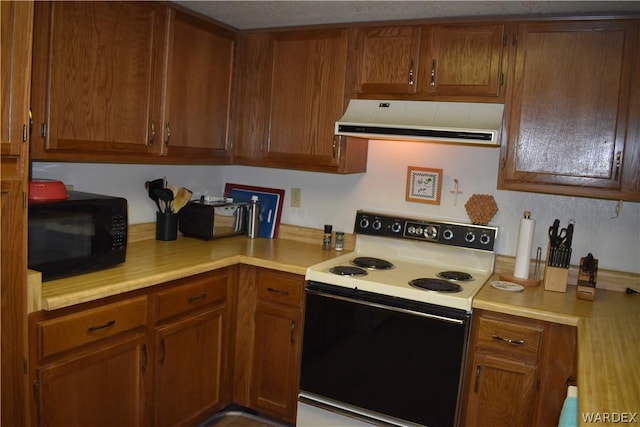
(103, 387)
(502, 393)
(198, 91)
(15, 51)
(13, 317)
(307, 97)
(98, 71)
(462, 60)
(568, 121)
(189, 359)
(15, 57)
(387, 59)
(251, 98)
(276, 356)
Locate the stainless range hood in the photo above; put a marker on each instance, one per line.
(459, 122)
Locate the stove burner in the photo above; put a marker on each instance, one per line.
(372, 263)
(346, 270)
(455, 275)
(435, 285)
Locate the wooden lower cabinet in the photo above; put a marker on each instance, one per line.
(503, 392)
(156, 357)
(268, 341)
(518, 370)
(188, 368)
(101, 387)
(91, 364)
(276, 360)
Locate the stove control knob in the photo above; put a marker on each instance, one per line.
(411, 230)
(364, 222)
(485, 239)
(377, 224)
(430, 232)
(419, 231)
(470, 237)
(447, 234)
(396, 227)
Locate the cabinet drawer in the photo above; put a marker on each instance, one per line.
(280, 287)
(66, 332)
(509, 337)
(196, 292)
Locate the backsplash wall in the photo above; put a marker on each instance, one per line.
(333, 199)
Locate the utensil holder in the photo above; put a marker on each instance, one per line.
(166, 226)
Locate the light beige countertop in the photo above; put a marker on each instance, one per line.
(608, 328)
(151, 262)
(608, 342)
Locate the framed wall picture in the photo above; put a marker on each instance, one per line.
(424, 185)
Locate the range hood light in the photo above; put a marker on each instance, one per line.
(459, 122)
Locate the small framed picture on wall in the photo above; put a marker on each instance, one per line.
(424, 185)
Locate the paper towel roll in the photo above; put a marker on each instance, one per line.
(523, 251)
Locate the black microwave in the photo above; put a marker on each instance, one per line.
(85, 232)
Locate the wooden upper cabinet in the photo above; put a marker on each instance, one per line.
(387, 59)
(198, 91)
(98, 78)
(308, 95)
(452, 60)
(569, 118)
(15, 51)
(462, 60)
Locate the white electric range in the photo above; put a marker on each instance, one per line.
(387, 326)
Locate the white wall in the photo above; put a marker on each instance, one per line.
(128, 181)
(334, 199)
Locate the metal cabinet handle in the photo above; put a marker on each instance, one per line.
(507, 340)
(476, 384)
(278, 291)
(433, 73)
(202, 296)
(293, 334)
(104, 326)
(163, 351)
(153, 133)
(143, 350)
(411, 74)
(618, 164)
(336, 147)
(168, 129)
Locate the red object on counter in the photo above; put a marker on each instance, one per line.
(41, 190)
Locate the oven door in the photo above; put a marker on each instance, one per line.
(391, 360)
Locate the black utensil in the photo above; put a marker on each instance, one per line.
(151, 186)
(569, 237)
(553, 233)
(165, 195)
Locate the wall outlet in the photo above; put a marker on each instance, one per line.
(296, 197)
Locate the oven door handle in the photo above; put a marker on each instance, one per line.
(345, 410)
(386, 307)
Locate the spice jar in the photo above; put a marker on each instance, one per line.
(326, 240)
(339, 241)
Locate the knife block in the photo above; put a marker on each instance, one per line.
(555, 278)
